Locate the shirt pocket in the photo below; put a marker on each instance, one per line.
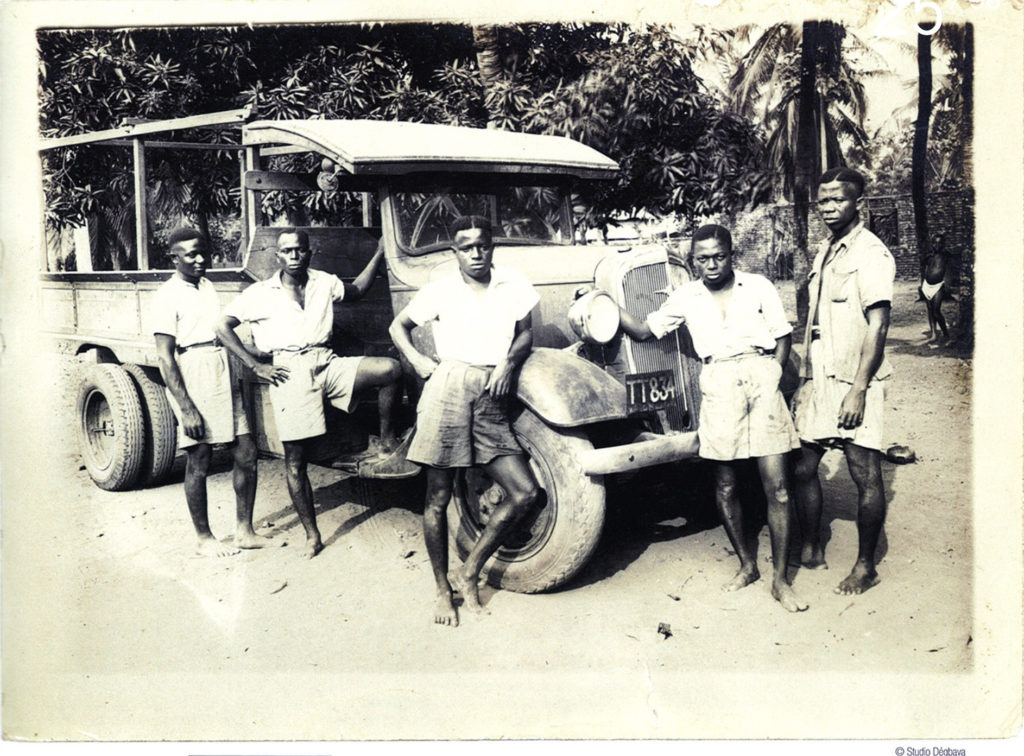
(842, 285)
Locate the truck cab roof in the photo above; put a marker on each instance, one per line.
(364, 147)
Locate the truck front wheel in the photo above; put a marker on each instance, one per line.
(553, 541)
(111, 427)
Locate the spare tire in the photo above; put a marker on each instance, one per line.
(161, 436)
(111, 430)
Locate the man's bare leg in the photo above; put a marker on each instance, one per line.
(383, 373)
(866, 470)
(512, 473)
(935, 313)
(243, 477)
(435, 533)
(729, 510)
(301, 492)
(807, 488)
(197, 467)
(780, 520)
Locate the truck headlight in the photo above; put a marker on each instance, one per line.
(594, 317)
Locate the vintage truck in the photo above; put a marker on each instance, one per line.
(589, 403)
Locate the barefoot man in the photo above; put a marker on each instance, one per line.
(740, 331)
(205, 398)
(933, 284)
(839, 403)
(482, 335)
(291, 315)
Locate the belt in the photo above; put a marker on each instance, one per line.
(301, 350)
(758, 352)
(183, 349)
(815, 332)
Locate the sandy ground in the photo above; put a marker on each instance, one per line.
(120, 632)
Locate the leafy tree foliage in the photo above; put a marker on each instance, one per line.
(627, 91)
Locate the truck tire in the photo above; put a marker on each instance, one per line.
(111, 428)
(556, 539)
(161, 435)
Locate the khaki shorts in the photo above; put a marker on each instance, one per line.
(816, 409)
(742, 412)
(315, 374)
(457, 424)
(206, 373)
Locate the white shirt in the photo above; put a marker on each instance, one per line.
(753, 318)
(277, 320)
(188, 312)
(473, 327)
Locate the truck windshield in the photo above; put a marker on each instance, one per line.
(519, 214)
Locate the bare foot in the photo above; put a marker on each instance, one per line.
(742, 579)
(783, 593)
(861, 578)
(469, 589)
(210, 546)
(312, 548)
(389, 443)
(250, 540)
(444, 610)
(813, 558)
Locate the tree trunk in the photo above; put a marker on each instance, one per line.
(805, 161)
(919, 156)
(488, 61)
(966, 290)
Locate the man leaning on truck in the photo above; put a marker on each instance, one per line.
(204, 398)
(739, 330)
(292, 315)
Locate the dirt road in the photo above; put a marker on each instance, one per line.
(118, 632)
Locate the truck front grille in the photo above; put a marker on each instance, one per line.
(644, 289)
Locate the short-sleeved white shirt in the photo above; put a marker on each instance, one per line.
(477, 328)
(276, 319)
(753, 318)
(188, 312)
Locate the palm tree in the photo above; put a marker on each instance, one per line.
(797, 82)
(919, 156)
(488, 61)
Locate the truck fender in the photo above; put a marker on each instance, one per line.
(568, 391)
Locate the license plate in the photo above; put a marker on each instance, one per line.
(649, 392)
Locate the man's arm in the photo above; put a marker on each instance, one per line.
(782, 347)
(637, 329)
(400, 331)
(191, 420)
(226, 326)
(500, 381)
(851, 412)
(640, 330)
(364, 280)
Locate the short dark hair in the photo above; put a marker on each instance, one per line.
(302, 236)
(713, 231)
(466, 222)
(184, 234)
(846, 176)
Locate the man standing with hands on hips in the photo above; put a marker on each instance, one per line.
(840, 400)
(292, 316)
